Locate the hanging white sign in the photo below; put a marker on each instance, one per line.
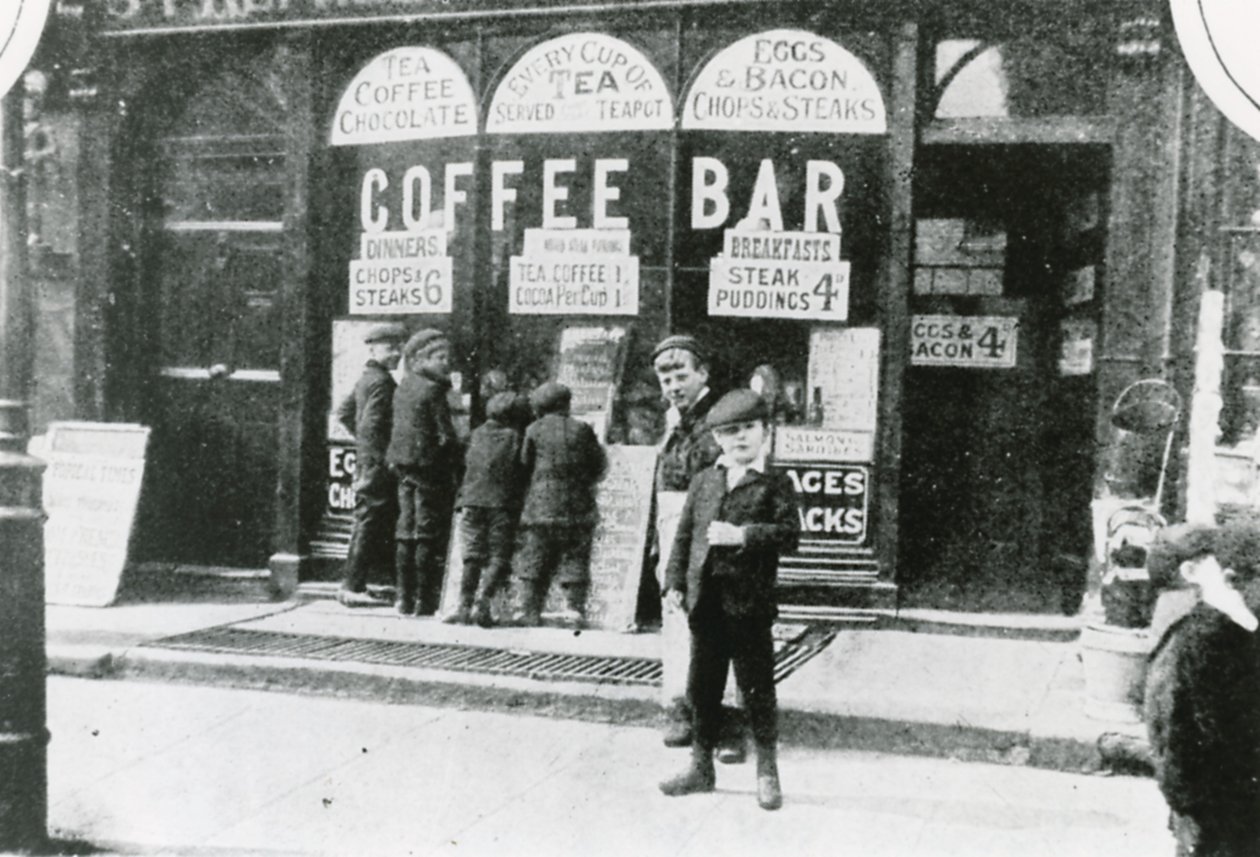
(21, 23)
(973, 341)
(769, 288)
(409, 93)
(552, 284)
(785, 80)
(581, 82)
(400, 286)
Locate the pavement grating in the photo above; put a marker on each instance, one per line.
(540, 666)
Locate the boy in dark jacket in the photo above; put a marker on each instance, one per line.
(1202, 705)
(738, 518)
(368, 414)
(424, 454)
(490, 497)
(563, 462)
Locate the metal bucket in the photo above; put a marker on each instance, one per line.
(1115, 670)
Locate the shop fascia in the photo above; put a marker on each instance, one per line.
(408, 199)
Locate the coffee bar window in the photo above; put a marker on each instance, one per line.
(577, 138)
(777, 257)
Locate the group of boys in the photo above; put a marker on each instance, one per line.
(723, 519)
(541, 477)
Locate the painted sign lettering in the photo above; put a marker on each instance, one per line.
(581, 82)
(410, 93)
(798, 443)
(570, 276)
(785, 81)
(833, 502)
(976, 342)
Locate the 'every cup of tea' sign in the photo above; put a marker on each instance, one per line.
(581, 82)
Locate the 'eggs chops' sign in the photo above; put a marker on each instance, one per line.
(785, 80)
(21, 22)
(1218, 39)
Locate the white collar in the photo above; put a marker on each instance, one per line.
(736, 472)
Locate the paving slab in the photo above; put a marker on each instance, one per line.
(991, 697)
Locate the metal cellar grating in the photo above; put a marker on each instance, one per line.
(540, 666)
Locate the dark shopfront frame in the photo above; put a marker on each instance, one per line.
(1140, 101)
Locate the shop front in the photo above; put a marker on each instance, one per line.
(919, 291)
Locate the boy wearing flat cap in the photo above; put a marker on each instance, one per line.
(424, 454)
(367, 413)
(738, 518)
(682, 370)
(562, 461)
(1202, 703)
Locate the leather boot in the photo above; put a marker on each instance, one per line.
(574, 606)
(428, 578)
(481, 612)
(405, 570)
(462, 614)
(528, 614)
(699, 776)
(769, 793)
(678, 728)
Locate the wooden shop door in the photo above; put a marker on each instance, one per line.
(211, 286)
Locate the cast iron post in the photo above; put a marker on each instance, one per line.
(23, 709)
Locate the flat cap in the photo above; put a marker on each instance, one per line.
(1172, 546)
(550, 397)
(390, 332)
(737, 406)
(681, 341)
(424, 339)
(502, 407)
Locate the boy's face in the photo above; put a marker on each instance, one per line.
(741, 442)
(435, 361)
(681, 379)
(385, 353)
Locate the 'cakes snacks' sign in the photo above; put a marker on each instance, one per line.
(578, 83)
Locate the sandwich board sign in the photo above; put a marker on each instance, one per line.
(91, 489)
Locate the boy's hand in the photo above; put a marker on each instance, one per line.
(726, 535)
(673, 599)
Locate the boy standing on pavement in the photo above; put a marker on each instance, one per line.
(424, 454)
(563, 461)
(682, 368)
(490, 497)
(1202, 705)
(738, 518)
(367, 413)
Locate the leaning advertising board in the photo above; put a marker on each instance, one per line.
(91, 489)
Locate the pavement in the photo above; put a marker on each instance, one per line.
(991, 688)
(144, 768)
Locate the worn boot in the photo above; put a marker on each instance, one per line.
(405, 569)
(769, 794)
(678, 727)
(529, 610)
(699, 776)
(733, 744)
(481, 612)
(574, 613)
(462, 614)
(428, 578)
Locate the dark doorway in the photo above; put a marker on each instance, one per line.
(210, 287)
(998, 462)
